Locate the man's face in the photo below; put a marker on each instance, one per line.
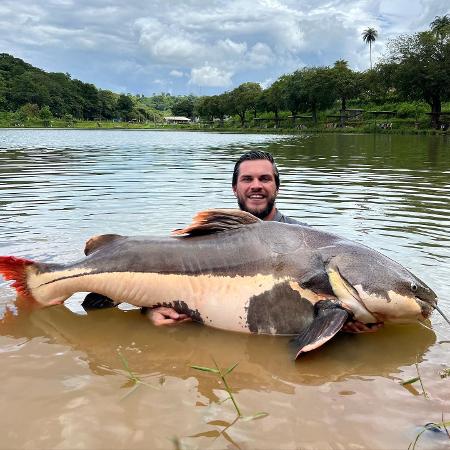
(256, 189)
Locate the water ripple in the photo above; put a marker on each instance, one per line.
(57, 187)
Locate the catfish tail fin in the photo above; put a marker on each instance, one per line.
(13, 268)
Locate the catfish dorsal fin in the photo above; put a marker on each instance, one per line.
(217, 220)
(95, 242)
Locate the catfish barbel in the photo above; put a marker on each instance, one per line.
(232, 271)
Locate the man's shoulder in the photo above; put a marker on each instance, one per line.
(280, 217)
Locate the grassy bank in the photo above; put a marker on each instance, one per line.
(284, 125)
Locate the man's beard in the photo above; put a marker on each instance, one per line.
(259, 214)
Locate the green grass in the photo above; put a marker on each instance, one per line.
(133, 380)
(222, 375)
(432, 426)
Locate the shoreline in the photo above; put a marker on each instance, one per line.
(281, 131)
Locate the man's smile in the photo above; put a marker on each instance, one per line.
(256, 196)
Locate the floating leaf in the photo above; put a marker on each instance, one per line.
(258, 415)
(410, 381)
(219, 423)
(230, 369)
(205, 369)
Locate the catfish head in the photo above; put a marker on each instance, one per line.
(377, 289)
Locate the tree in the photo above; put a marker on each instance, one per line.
(3, 88)
(108, 104)
(203, 108)
(378, 85)
(441, 26)
(29, 87)
(293, 94)
(125, 106)
(46, 115)
(319, 89)
(370, 35)
(214, 107)
(245, 98)
(347, 83)
(422, 62)
(184, 106)
(272, 99)
(30, 110)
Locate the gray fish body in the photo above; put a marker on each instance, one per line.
(249, 269)
(238, 273)
(269, 274)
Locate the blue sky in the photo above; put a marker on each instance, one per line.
(193, 46)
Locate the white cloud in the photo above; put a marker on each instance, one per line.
(210, 76)
(231, 48)
(219, 43)
(176, 73)
(261, 55)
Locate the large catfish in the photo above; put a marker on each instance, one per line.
(232, 271)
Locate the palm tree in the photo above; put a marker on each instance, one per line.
(370, 35)
(441, 25)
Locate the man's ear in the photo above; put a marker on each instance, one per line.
(234, 190)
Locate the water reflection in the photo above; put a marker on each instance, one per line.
(265, 362)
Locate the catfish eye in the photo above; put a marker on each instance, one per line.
(414, 287)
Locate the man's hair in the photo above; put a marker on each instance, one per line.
(252, 156)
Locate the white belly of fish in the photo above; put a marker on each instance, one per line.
(221, 301)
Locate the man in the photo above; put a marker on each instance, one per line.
(255, 184)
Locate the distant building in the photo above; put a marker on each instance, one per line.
(176, 119)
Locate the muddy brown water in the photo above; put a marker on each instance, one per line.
(63, 383)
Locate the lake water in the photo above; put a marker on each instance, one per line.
(64, 385)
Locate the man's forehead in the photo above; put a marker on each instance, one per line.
(256, 167)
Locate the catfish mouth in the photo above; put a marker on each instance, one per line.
(426, 307)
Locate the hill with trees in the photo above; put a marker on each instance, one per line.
(412, 81)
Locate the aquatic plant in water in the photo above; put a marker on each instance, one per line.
(222, 374)
(439, 427)
(432, 426)
(133, 378)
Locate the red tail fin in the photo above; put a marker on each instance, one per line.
(13, 268)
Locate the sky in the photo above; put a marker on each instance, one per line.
(201, 47)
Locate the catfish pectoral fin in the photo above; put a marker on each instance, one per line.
(97, 301)
(328, 320)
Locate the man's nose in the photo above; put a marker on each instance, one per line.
(256, 185)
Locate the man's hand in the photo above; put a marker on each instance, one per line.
(166, 316)
(359, 327)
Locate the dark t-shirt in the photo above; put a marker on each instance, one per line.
(279, 217)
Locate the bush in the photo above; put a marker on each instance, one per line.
(411, 110)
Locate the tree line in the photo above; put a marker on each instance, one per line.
(416, 67)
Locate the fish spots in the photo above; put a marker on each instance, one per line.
(182, 308)
(280, 310)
